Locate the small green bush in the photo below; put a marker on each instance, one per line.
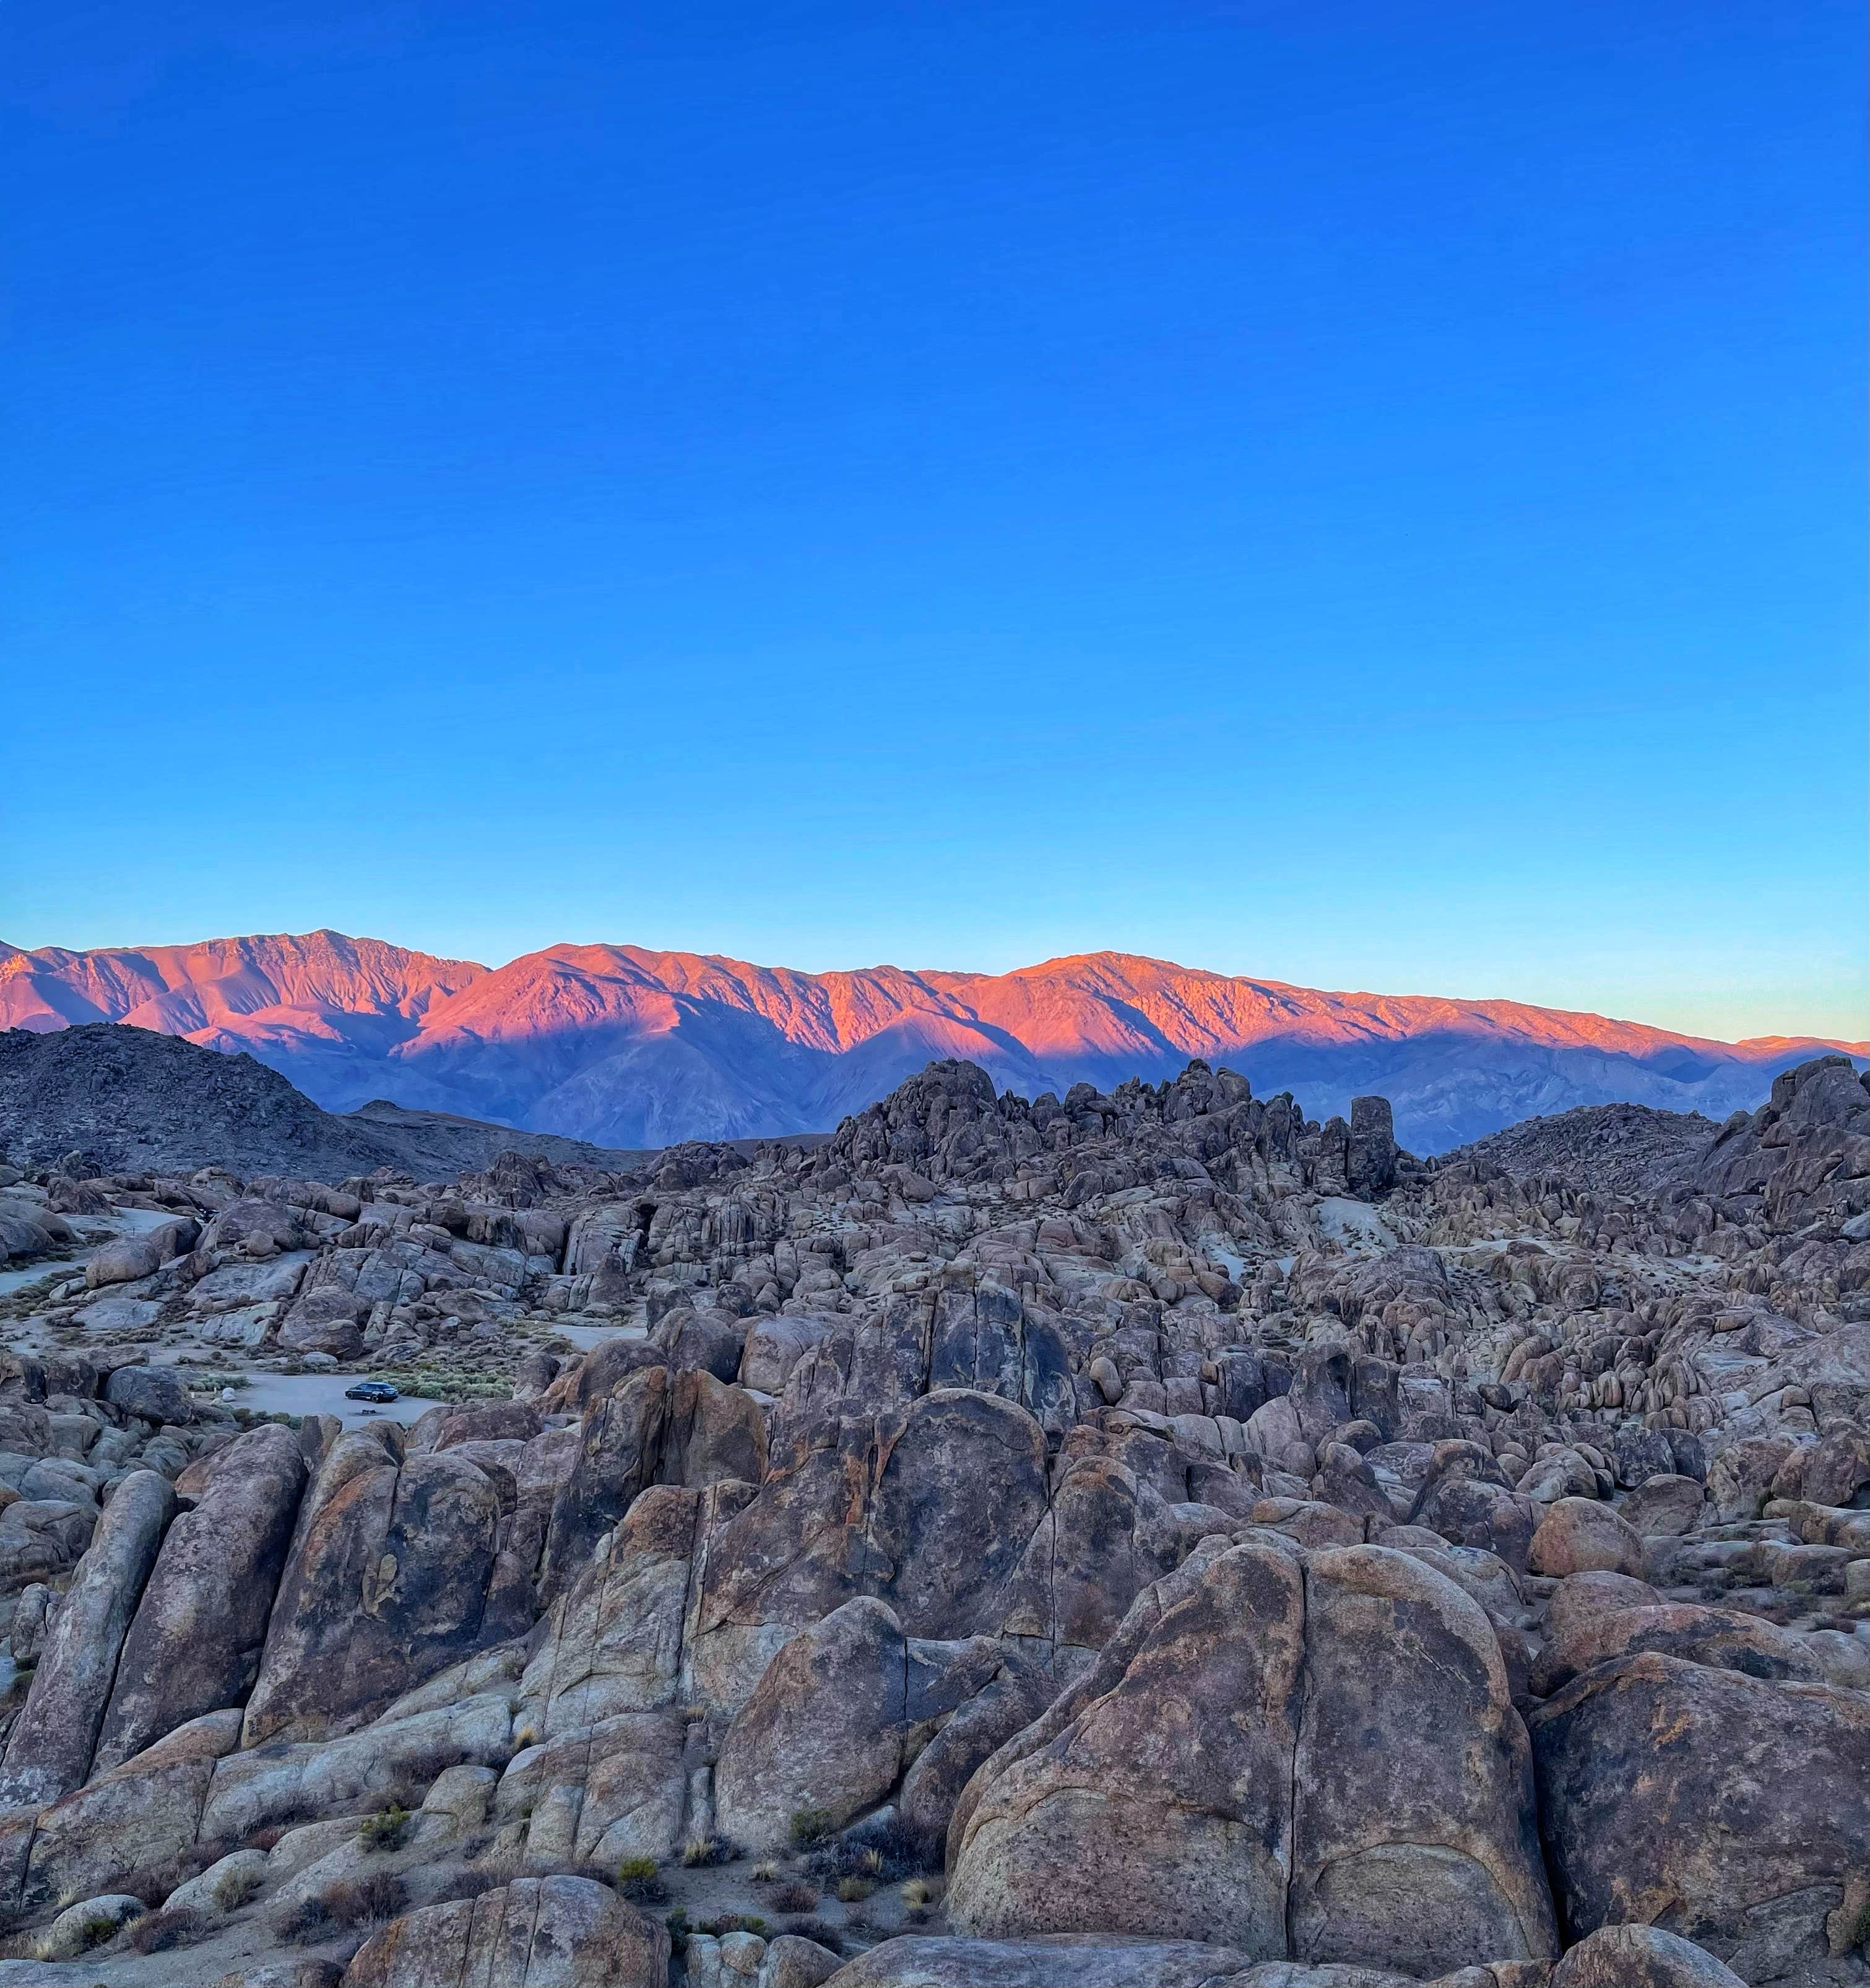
(810, 1827)
(385, 1830)
(853, 1891)
(639, 1880)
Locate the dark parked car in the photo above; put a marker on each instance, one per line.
(370, 1391)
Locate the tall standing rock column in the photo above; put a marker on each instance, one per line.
(49, 1752)
(1370, 1162)
(194, 1646)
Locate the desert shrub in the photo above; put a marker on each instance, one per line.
(472, 1882)
(853, 1890)
(728, 1922)
(386, 1829)
(700, 1852)
(829, 1937)
(238, 1889)
(265, 1839)
(345, 1903)
(156, 1932)
(810, 1827)
(796, 1898)
(94, 1932)
(918, 1893)
(886, 1847)
(677, 1923)
(639, 1880)
(353, 1901)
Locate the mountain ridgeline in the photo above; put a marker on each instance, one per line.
(626, 1047)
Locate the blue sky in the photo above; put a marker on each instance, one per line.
(1369, 496)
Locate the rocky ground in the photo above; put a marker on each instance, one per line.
(1144, 1538)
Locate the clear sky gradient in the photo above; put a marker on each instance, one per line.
(1366, 494)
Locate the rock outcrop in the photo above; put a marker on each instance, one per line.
(1045, 1530)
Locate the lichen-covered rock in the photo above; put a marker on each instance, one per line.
(1733, 1810)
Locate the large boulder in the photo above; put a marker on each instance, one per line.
(823, 1729)
(386, 1584)
(1580, 1536)
(1731, 1810)
(157, 1393)
(49, 1751)
(1314, 1756)
(930, 1509)
(535, 1933)
(1641, 1956)
(1723, 1637)
(196, 1640)
(829, 1726)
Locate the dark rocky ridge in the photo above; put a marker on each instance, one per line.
(1608, 1148)
(132, 1101)
(1200, 1543)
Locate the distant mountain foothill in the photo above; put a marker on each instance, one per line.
(626, 1047)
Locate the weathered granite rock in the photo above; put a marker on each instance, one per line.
(1635, 1755)
(49, 1751)
(601, 1793)
(386, 1584)
(195, 1643)
(535, 1933)
(1579, 1536)
(824, 1728)
(1265, 1743)
(1723, 1638)
(1113, 1961)
(141, 1814)
(157, 1393)
(1664, 1506)
(930, 1511)
(1640, 1956)
(1370, 1158)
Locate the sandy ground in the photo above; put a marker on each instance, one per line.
(1355, 1223)
(321, 1394)
(95, 1230)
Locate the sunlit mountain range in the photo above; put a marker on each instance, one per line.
(625, 1047)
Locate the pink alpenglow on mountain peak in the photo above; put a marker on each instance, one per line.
(627, 1046)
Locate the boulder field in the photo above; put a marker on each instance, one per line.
(1145, 1538)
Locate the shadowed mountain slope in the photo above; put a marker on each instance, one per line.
(630, 1047)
